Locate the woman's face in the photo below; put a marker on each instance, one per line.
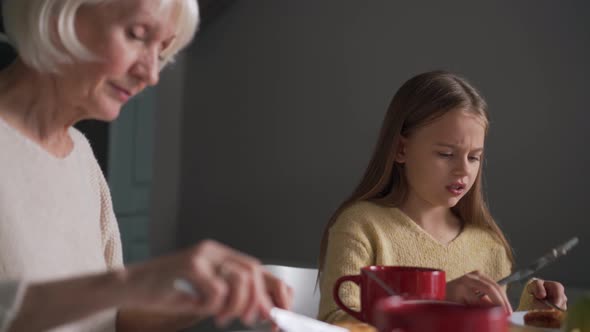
(442, 159)
(129, 37)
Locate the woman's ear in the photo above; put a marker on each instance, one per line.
(400, 156)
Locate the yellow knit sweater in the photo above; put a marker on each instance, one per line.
(369, 234)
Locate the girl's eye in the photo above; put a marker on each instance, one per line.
(473, 158)
(445, 154)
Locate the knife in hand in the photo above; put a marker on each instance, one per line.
(540, 263)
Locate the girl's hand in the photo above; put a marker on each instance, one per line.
(476, 288)
(551, 291)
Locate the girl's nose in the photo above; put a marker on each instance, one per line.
(461, 167)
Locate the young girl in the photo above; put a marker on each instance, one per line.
(420, 203)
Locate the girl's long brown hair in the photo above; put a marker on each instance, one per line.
(420, 100)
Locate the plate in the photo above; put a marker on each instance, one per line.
(517, 318)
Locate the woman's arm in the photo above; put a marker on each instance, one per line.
(136, 320)
(231, 285)
(129, 320)
(50, 304)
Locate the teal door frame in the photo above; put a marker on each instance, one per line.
(130, 173)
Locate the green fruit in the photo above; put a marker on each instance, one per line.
(578, 316)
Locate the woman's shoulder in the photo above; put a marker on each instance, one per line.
(10, 137)
(82, 145)
(80, 141)
(83, 150)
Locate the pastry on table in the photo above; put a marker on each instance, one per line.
(356, 326)
(550, 318)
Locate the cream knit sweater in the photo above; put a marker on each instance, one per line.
(56, 220)
(369, 234)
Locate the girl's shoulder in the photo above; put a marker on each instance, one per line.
(481, 236)
(364, 209)
(363, 214)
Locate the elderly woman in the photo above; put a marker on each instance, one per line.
(60, 251)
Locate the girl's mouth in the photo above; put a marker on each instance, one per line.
(456, 188)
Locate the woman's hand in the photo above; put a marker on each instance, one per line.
(551, 291)
(229, 285)
(280, 293)
(476, 288)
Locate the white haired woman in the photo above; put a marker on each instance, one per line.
(60, 251)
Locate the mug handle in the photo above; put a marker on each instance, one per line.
(336, 294)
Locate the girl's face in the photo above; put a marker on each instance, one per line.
(442, 159)
(128, 37)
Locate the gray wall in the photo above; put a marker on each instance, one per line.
(283, 100)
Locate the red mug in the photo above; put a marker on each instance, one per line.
(408, 282)
(395, 314)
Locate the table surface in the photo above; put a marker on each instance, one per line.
(512, 328)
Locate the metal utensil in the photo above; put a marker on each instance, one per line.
(184, 286)
(540, 263)
(549, 304)
(381, 283)
(391, 292)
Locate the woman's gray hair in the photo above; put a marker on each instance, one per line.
(28, 26)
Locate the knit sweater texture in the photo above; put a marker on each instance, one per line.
(56, 219)
(366, 234)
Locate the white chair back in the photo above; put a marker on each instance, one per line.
(302, 280)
